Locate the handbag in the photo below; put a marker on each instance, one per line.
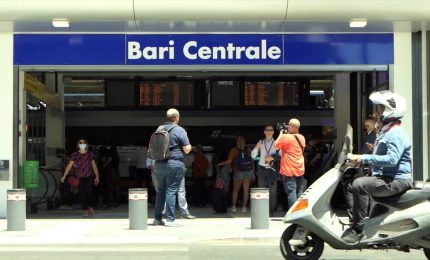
(219, 184)
(73, 181)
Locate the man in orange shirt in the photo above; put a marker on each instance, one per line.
(200, 172)
(292, 144)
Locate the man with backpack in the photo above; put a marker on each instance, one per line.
(168, 146)
(292, 169)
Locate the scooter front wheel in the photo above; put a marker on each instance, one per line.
(312, 249)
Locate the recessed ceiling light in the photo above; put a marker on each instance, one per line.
(63, 23)
(358, 23)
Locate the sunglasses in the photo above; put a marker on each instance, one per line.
(82, 143)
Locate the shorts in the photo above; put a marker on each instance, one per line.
(240, 175)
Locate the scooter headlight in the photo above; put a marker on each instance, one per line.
(300, 205)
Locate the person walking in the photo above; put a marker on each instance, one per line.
(292, 144)
(87, 172)
(200, 172)
(266, 150)
(171, 172)
(242, 164)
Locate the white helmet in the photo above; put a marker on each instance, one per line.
(395, 105)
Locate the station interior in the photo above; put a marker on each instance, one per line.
(122, 109)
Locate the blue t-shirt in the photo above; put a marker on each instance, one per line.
(178, 139)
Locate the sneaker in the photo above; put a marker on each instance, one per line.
(233, 209)
(91, 211)
(86, 214)
(244, 210)
(173, 224)
(351, 236)
(158, 222)
(188, 216)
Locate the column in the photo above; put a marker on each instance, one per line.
(402, 76)
(7, 118)
(342, 108)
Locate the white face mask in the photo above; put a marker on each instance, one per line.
(82, 146)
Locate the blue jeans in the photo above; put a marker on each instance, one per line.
(169, 175)
(182, 201)
(294, 187)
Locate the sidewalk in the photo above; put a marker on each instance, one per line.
(112, 227)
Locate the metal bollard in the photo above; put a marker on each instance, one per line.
(259, 208)
(16, 209)
(138, 208)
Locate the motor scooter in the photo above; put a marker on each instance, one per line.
(400, 222)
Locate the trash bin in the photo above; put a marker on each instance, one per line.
(30, 177)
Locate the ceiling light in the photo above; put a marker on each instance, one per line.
(357, 23)
(63, 23)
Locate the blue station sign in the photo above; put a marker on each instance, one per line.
(203, 49)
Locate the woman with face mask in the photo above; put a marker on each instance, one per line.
(87, 172)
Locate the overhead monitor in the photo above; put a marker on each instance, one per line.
(120, 93)
(271, 93)
(166, 93)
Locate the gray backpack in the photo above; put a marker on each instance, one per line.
(158, 148)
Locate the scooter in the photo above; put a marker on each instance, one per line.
(400, 222)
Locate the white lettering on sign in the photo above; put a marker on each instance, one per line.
(134, 52)
(192, 51)
(260, 196)
(187, 52)
(138, 196)
(150, 52)
(17, 197)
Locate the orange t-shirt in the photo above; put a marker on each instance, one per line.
(292, 160)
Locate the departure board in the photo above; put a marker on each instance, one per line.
(224, 93)
(271, 93)
(166, 93)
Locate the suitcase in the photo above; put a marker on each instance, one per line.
(219, 201)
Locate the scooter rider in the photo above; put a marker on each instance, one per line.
(390, 162)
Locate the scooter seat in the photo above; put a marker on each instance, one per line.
(404, 200)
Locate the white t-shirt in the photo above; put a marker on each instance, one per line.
(267, 147)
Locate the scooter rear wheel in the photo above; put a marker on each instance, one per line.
(427, 252)
(313, 248)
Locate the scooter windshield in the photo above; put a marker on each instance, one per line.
(347, 145)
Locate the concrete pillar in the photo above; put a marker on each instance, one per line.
(342, 108)
(54, 124)
(7, 118)
(402, 76)
(425, 103)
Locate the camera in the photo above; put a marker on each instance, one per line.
(282, 126)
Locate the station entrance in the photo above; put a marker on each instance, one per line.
(122, 109)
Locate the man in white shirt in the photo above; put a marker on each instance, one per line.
(266, 150)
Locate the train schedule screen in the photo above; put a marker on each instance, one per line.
(271, 93)
(225, 93)
(164, 93)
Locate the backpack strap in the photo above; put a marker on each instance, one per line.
(301, 146)
(168, 129)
